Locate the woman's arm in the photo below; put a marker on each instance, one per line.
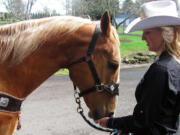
(147, 110)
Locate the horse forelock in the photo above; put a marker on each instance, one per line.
(21, 39)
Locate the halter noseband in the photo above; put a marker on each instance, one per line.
(111, 88)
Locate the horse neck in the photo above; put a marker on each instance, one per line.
(20, 80)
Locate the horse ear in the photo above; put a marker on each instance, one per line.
(105, 23)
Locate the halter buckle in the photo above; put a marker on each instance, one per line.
(99, 88)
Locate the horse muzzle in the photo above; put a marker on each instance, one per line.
(95, 115)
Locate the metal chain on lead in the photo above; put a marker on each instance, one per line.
(78, 101)
(81, 112)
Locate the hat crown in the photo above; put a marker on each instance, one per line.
(155, 14)
(159, 8)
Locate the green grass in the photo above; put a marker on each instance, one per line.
(4, 22)
(62, 72)
(134, 44)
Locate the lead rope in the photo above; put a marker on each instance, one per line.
(81, 112)
(19, 121)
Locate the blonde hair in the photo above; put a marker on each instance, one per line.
(171, 36)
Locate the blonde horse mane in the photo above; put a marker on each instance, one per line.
(19, 40)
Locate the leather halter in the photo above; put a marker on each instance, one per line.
(9, 103)
(111, 88)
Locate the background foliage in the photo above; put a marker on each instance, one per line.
(94, 8)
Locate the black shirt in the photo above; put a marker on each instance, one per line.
(158, 101)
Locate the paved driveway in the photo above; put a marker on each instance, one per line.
(51, 109)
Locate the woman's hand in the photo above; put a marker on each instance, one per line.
(103, 122)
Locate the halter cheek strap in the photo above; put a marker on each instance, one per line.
(111, 88)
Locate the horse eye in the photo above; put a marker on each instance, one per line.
(113, 65)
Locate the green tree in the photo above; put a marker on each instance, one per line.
(20, 9)
(79, 7)
(131, 9)
(94, 8)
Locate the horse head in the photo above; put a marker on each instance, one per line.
(95, 69)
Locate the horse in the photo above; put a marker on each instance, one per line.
(33, 50)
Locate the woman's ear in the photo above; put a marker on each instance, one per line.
(105, 24)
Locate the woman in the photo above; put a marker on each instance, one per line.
(158, 93)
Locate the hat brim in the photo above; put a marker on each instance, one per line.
(152, 22)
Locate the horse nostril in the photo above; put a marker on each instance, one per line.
(111, 114)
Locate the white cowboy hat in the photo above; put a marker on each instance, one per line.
(155, 14)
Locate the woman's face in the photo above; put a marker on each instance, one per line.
(154, 39)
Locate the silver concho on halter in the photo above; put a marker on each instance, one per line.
(4, 102)
(112, 87)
